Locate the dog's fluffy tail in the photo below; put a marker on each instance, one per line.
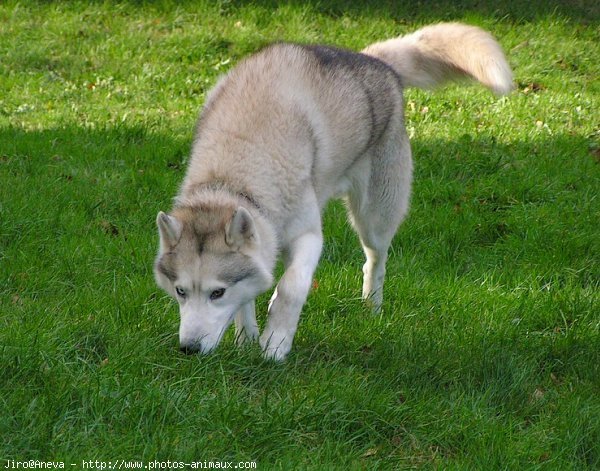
(446, 51)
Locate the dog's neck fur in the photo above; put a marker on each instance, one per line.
(217, 185)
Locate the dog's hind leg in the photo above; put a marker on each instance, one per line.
(377, 205)
(246, 328)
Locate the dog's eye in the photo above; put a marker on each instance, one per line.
(216, 294)
(180, 291)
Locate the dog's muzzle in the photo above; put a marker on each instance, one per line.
(189, 349)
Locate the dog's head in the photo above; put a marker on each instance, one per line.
(210, 260)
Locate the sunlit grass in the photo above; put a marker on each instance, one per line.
(487, 353)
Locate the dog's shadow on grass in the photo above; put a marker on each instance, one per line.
(78, 185)
(123, 176)
(118, 178)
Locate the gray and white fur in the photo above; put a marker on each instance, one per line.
(289, 128)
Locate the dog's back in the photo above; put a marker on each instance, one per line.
(293, 116)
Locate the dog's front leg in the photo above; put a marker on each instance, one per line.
(290, 295)
(246, 328)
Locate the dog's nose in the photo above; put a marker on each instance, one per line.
(189, 349)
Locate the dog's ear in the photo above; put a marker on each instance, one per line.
(169, 229)
(240, 230)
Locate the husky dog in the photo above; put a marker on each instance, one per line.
(289, 128)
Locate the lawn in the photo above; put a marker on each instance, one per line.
(487, 353)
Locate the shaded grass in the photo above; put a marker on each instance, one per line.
(486, 355)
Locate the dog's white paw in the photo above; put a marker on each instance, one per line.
(275, 345)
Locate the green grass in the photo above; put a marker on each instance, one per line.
(487, 354)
